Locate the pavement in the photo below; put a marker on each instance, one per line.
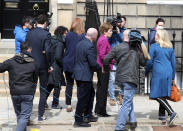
(146, 112)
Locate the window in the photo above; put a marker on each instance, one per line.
(167, 2)
(65, 1)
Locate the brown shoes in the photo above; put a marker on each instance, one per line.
(120, 99)
(112, 102)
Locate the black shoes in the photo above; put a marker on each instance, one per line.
(57, 107)
(30, 122)
(133, 125)
(41, 118)
(81, 124)
(103, 115)
(93, 119)
(46, 106)
(90, 119)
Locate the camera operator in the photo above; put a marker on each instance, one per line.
(128, 58)
(40, 41)
(116, 39)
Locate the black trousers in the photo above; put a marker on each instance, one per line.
(69, 87)
(85, 94)
(44, 98)
(43, 79)
(56, 94)
(101, 94)
(164, 106)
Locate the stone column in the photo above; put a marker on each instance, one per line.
(66, 12)
(53, 8)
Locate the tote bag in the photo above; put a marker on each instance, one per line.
(175, 93)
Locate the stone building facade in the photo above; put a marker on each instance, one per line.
(140, 14)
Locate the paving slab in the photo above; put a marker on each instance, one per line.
(146, 112)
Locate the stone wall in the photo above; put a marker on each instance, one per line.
(143, 16)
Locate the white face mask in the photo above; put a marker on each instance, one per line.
(160, 27)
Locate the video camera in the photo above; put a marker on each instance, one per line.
(49, 15)
(114, 21)
(135, 37)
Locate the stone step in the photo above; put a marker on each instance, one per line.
(7, 46)
(4, 92)
(97, 126)
(4, 57)
(6, 81)
(94, 127)
(6, 76)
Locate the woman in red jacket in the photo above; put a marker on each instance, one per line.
(103, 48)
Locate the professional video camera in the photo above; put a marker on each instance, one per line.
(114, 21)
(49, 15)
(135, 37)
(138, 42)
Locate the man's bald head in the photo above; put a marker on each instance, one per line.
(125, 35)
(92, 34)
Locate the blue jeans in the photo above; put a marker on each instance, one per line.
(127, 109)
(112, 84)
(23, 108)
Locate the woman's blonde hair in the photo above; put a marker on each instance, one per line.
(163, 39)
(77, 26)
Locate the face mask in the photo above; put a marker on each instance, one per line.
(159, 27)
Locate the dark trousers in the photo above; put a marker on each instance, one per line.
(43, 79)
(101, 94)
(69, 87)
(23, 108)
(56, 94)
(85, 94)
(164, 106)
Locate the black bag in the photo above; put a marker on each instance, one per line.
(51, 80)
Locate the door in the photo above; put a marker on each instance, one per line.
(12, 12)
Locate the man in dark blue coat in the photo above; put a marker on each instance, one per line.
(85, 65)
(39, 40)
(159, 25)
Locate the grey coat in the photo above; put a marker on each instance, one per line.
(128, 61)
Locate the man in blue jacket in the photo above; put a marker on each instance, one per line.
(159, 25)
(40, 41)
(116, 39)
(85, 65)
(20, 32)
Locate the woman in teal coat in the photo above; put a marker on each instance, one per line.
(163, 65)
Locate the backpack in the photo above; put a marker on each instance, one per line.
(53, 47)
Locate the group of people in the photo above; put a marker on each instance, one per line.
(72, 52)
